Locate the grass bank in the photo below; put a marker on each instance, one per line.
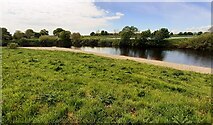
(65, 87)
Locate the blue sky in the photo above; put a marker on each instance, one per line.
(154, 15)
(86, 16)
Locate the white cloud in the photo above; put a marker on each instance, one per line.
(193, 29)
(77, 16)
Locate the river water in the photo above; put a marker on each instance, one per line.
(180, 56)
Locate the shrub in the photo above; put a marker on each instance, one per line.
(48, 40)
(28, 42)
(105, 42)
(12, 45)
(116, 43)
(201, 42)
(89, 42)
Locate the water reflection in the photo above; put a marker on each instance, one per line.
(182, 56)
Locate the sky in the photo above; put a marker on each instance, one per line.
(85, 16)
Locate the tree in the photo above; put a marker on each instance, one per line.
(126, 33)
(102, 32)
(131, 28)
(145, 34)
(106, 33)
(44, 32)
(189, 33)
(92, 34)
(76, 37)
(29, 33)
(48, 40)
(18, 35)
(57, 31)
(171, 34)
(64, 39)
(37, 35)
(199, 33)
(161, 34)
(180, 33)
(4, 34)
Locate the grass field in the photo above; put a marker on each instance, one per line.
(64, 87)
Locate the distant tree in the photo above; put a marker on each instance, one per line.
(29, 33)
(171, 34)
(44, 32)
(106, 33)
(126, 33)
(185, 33)
(145, 34)
(102, 32)
(131, 28)
(37, 35)
(57, 31)
(76, 38)
(48, 40)
(18, 35)
(161, 34)
(180, 33)
(189, 33)
(64, 39)
(92, 34)
(4, 34)
(125, 37)
(199, 33)
(165, 32)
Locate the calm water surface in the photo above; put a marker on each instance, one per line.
(181, 56)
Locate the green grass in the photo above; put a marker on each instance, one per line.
(63, 87)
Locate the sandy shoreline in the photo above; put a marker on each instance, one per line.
(198, 69)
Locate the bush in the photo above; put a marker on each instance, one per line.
(105, 42)
(48, 41)
(201, 42)
(12, 45)
(29, 42)
(116, 43)
(89, 42)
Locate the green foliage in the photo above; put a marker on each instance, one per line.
(18, 35)
(105, 42)
(28, 42)
(29, 33)
(199, 33)
(48, 40)
(89, 42)
(91, 89)
(64, 39)
(201, 42)
(57, 31)
(145, 34)
(160, 35)
(5, 35)
(92, 34)
(44, 32)
(76, 39)
(37, 35)
(12, 45)
(104, 32)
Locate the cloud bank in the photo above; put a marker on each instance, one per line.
(74, 15)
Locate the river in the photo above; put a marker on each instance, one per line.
(181, 56)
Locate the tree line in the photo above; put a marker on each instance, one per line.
(129, 36)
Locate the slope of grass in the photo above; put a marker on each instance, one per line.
(65, 87)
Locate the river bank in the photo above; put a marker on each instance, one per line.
(153, 62)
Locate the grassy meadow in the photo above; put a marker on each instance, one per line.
(63, 87)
